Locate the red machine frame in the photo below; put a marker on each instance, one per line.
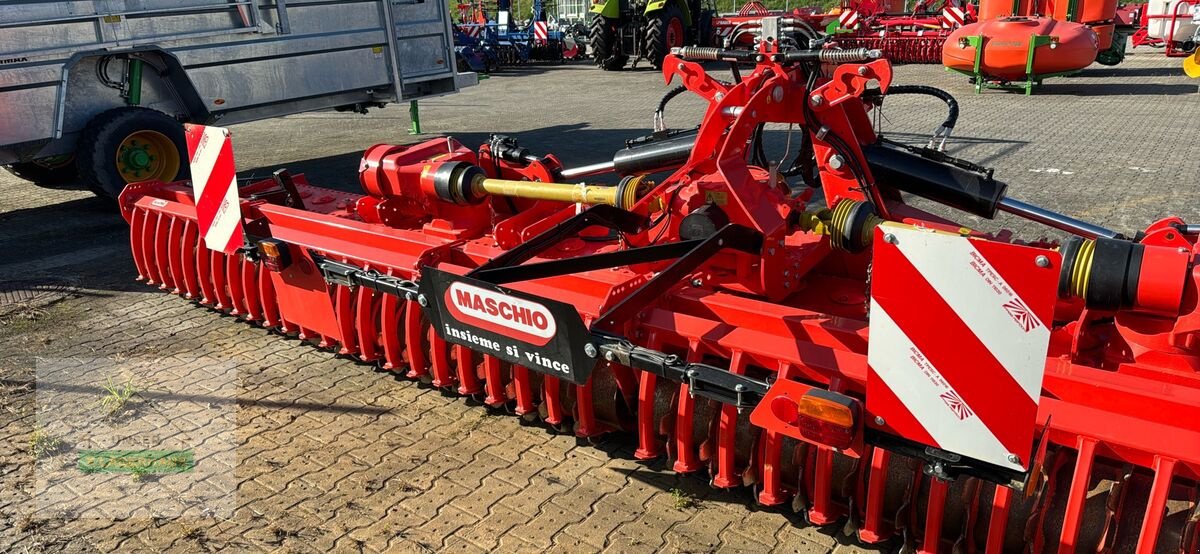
(1121, 392)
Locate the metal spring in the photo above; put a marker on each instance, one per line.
(844, 56)
(699, 52)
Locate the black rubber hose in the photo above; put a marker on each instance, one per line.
(951, 103)
(662, 104)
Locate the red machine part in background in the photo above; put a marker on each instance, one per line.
(916, 36)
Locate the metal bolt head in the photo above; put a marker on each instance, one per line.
(836, 161)
(739, 388)
(890, 239)
(590, 350)
(1042, 261)
(862, 70)
(879, 421)
(1013, 458)
(608, 355)
(424, 302)
(817, 100)
(697, 282)
(777, 93)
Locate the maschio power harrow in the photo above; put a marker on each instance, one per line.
(858, 360)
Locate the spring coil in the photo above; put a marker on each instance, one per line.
(844, 56)
(699, 53)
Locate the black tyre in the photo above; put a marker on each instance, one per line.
(55, 173)
(664, 31)
(606, 48)
(128, 145)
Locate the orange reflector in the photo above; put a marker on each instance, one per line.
(827, 418)
(825, 409)
(269, 249)
(274, 254)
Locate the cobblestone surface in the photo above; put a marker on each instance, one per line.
(331, 456)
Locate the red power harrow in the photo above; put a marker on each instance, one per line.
(856, 360)
(915, 37)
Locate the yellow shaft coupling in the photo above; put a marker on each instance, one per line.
(623, 195)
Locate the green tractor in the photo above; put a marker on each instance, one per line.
(646, 29)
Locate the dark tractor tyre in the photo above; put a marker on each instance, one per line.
(52, 173)
(605, 46)
(664, 31)
(128, 145)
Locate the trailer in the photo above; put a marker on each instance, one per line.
(100, 88)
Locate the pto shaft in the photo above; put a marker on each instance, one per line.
(464, 183)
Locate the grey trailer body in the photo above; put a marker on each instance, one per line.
(210, 61)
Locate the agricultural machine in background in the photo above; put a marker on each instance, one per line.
(480, 40)
(621, 30)
(855, 359)
(1016, 45)
(912, 35)
(1173, 25)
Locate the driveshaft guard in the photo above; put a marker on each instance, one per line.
(540, 334)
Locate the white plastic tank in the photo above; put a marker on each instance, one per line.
(1186, 24)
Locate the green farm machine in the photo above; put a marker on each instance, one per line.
(646, 29)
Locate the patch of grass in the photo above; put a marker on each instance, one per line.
(116, 397)
(43, 444)
(191, 533)
(682, 499)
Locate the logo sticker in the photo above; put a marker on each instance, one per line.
(956, 405)
(1021, 314)
(513, 317)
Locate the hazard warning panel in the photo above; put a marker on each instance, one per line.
(218, 209)
(959, 330)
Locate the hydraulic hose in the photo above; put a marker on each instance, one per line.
(943, 131)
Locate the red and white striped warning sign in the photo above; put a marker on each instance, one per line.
(472, 31)
(959, 330)
(953, 17)
(541, 31)
(214, 179)
(848, 19)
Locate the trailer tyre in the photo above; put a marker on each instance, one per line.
(664, 31)
(128, 145)
(55, 173)
(606, 49)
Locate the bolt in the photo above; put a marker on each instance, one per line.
(719, 96)
(739, 388)
(787, 285)
(697, 282)
(1042, 261)
(879, 421)
(692, 373)
(862, 70)
(787, 273)
(890, 239)
(681, 66)
(424, 302)
(1013, 458)
(817, 99)
(836, 161)
(771, 251)
(777, 93)
(590, 350)
(608, 355)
